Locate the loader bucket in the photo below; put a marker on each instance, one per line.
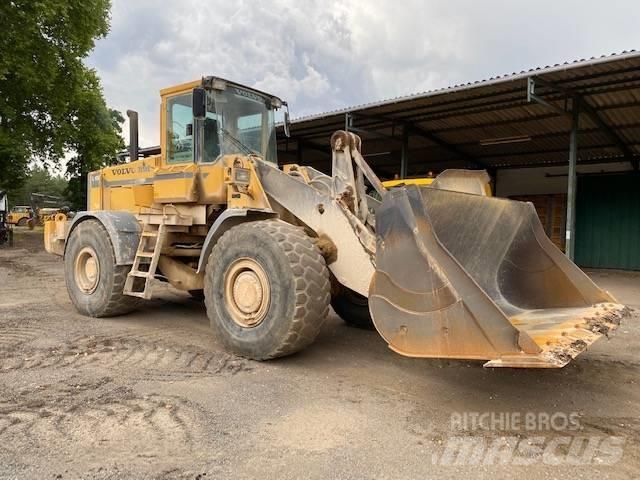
(468, 276)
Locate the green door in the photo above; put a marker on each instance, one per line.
(608, 221)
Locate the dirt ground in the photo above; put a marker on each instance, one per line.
(152, 395)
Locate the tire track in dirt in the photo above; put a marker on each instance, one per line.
(19, 263)
(144, 353)
(115, 420)
(626, 427)
(11, 337)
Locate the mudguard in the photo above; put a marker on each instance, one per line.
(227, 219)
(123, 229)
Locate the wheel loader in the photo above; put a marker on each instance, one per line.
(45, 207)
(19, 215)
(442, 270)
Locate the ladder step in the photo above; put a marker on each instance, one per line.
(138, 294)
(140, 274)
(141, 253)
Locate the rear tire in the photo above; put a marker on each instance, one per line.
(94, 281)
(353, 308)
(267, 289)
(22, 222)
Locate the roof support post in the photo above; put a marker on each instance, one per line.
(493, 173)
(299, 153)
(348, 121)
(572, 180)
(404, 156)
(531, 96)
(588, 110)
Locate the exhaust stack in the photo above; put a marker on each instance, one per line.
(133, 135)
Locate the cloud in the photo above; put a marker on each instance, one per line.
(326, 55)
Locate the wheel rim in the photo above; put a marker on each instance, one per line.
(87, 270)
(247, 292)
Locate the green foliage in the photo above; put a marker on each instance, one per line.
(37, 180)
(97, 141)
(50, 102)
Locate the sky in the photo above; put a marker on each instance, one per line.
(325, 55)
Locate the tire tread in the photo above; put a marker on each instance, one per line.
(311, 281)
(118, 303)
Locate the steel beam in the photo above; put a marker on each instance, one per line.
(373, 133)
(348, 122)
(421, 132)
(572, 180)
(404, 156)
(413, 129)
(531, 96)
(593, 115)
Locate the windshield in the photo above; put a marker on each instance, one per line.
(243, 122)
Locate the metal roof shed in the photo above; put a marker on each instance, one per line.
(580, 112)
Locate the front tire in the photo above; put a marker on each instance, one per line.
(94, 282)
(267, 289)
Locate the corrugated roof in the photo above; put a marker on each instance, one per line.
(450, 124)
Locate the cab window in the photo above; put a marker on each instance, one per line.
(179, 129)
(211, 143)
(249, 128)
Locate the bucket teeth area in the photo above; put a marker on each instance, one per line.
(563, 333)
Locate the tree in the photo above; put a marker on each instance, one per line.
(37, 180)
(97, 139)
(47, 95)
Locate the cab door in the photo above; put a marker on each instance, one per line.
(212, 188)
(176, 179)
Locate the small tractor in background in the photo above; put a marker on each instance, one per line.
(441, 270)
(19, 215)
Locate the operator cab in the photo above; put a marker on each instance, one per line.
(20, 209)
(218, 118)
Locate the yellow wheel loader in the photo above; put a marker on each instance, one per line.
(443, 270)
(19, 215)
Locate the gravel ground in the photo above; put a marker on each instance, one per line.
(152, 395)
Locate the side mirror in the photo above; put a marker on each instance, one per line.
(189, 130)
(199, 104)
(286, 122)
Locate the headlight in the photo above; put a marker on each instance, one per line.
(242, 175)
